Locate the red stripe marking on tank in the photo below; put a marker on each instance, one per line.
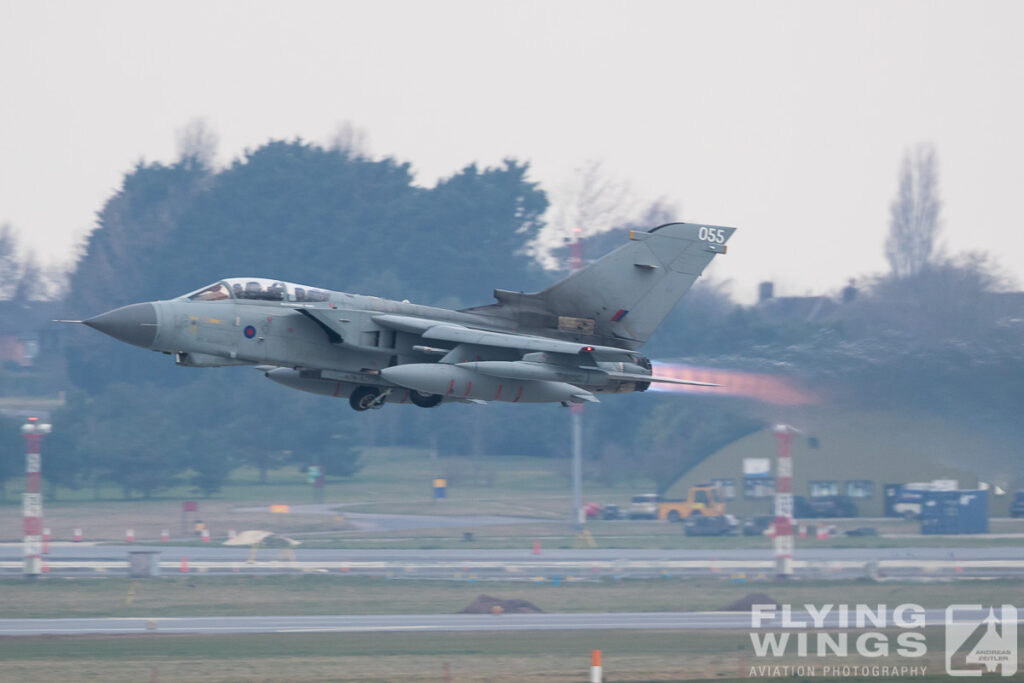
(518, 396)
(469, 388)
(337, 390)
(499, 393)
(451, 388)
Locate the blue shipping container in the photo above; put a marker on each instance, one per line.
(954, 512)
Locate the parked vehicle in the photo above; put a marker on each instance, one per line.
(705, 525)
(703, 500)
(644, 506)
(611, 511)
(757, 525)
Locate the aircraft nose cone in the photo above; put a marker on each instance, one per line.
(134, 324)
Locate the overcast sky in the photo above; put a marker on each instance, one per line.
(787, 120)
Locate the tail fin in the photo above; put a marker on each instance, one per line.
(628, 292)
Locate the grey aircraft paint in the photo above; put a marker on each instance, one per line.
(565, 344)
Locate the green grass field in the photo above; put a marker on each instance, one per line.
(367, 658)
(317, 594)
(398, 481)
(500, 657)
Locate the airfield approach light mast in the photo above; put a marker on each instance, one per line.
(576, 409)
(784, 501)
(32, 499)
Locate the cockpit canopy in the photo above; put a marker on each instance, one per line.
(256, 288)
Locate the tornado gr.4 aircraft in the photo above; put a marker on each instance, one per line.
(565, 344)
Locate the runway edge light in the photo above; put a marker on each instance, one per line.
(595, 666)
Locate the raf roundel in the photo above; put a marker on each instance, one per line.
(249, 331)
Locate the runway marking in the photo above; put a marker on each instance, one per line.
(331, 629)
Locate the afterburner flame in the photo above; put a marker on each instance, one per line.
(754, 385)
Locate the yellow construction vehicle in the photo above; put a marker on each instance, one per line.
(704, 499)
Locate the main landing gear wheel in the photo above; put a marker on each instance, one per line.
(364, 398)
(425, 400)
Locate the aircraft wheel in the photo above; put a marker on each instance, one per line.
(425, 400)
(363, 398)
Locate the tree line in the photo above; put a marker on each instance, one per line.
(334, 218)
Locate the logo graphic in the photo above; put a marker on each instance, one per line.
(249, 331)
(980, 639)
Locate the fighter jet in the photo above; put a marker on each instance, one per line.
(565, 344)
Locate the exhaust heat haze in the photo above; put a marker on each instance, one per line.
(754, 385)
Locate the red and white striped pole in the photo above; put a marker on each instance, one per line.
(32, 499)
(596, 671)
(784, 501)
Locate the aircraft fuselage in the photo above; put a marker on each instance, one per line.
(564, 344)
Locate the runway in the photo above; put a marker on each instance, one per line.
(704, 621)
(375, 521)
(70, 559)
(212, 552)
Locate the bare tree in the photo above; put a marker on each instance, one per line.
(914, 223)
(352, 140)
(22, 277)
(591, 202)
(10, 268)
(31, 285)
(197, 143)
(55, 278)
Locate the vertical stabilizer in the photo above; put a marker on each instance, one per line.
(628, 292)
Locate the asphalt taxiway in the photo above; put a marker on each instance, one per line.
(729, 621)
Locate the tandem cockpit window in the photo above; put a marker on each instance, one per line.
(214, 292)
(258, 289)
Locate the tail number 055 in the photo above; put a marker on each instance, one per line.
(716, 235)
